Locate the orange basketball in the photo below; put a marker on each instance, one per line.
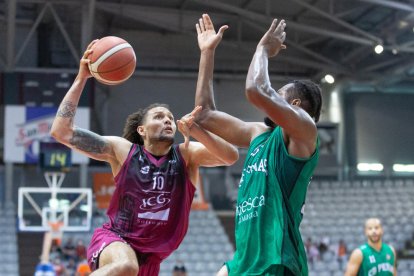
(112, 60)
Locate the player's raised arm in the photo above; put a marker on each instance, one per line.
(294, 107)
(226, 126)
(211, 149)
(85, 141)
(354, 263)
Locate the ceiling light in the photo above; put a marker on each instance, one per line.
(378, 49)
(366, 167)
(402, 24)
(329, 79)
(403, 167)
(394, 51)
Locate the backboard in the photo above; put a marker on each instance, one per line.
(40, 206)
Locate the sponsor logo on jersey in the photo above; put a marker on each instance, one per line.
(382, 267)
(160, 215)
(145, 169)
(256, 150)
(95, 254)
(248, 209)
(154, 202)
(153, 206)
(260, 166)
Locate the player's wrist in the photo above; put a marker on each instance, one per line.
(192, 130)
(208, 51)
(262, 50)
(82, 77)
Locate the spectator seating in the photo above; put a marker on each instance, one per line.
(9, 259)
(338, 209)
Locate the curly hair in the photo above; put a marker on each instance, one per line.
(310, 95)
(136, 119)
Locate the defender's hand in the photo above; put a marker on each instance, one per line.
(273, 39)
(185, 124)
(207, 37)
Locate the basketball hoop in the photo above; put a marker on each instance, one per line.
(56, 232)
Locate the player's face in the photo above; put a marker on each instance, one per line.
(373, 231)
(159, 125)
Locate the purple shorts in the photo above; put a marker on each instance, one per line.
(101, 238)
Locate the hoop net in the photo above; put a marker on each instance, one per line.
(55, 231)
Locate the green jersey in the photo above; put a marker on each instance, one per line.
(375, 262)
(270, 201)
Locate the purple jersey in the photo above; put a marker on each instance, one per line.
(151, 203)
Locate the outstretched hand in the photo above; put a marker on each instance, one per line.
(207, 37)
(273, 39)
(84, 62)
(185, 124)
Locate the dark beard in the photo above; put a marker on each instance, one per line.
(372, 240)
(269, 122)
(164, 139)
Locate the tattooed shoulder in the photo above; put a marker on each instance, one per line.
(88, 141)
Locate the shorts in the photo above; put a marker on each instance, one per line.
(148, 265)
(273, 270)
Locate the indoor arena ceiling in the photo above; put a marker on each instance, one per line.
(334, 37)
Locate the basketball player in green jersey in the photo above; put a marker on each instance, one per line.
(282, 155)
(374, 257)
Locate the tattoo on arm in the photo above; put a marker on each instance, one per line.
(88, 141)
(67, 109)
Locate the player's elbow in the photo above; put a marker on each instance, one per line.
(54, 133)
(231, 157)
(253, 94)
(251, 88)
(59, 134)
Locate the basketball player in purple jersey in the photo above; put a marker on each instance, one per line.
(149, 210)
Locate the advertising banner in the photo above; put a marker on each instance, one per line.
(26, 127)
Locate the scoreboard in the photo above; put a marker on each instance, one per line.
(54, 156)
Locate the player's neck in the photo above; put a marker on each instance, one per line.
(377, 246)
(157, 150)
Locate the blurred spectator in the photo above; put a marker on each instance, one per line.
(342, 253)
(313, 254)
(324, 245)
(55, 251)
(69, 250)
(58, 267)
(80, 251)
(83, 269)
(71, 267)
(308, 244)
(179, 269)
(44, 269)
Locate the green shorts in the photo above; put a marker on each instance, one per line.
(274, 270)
